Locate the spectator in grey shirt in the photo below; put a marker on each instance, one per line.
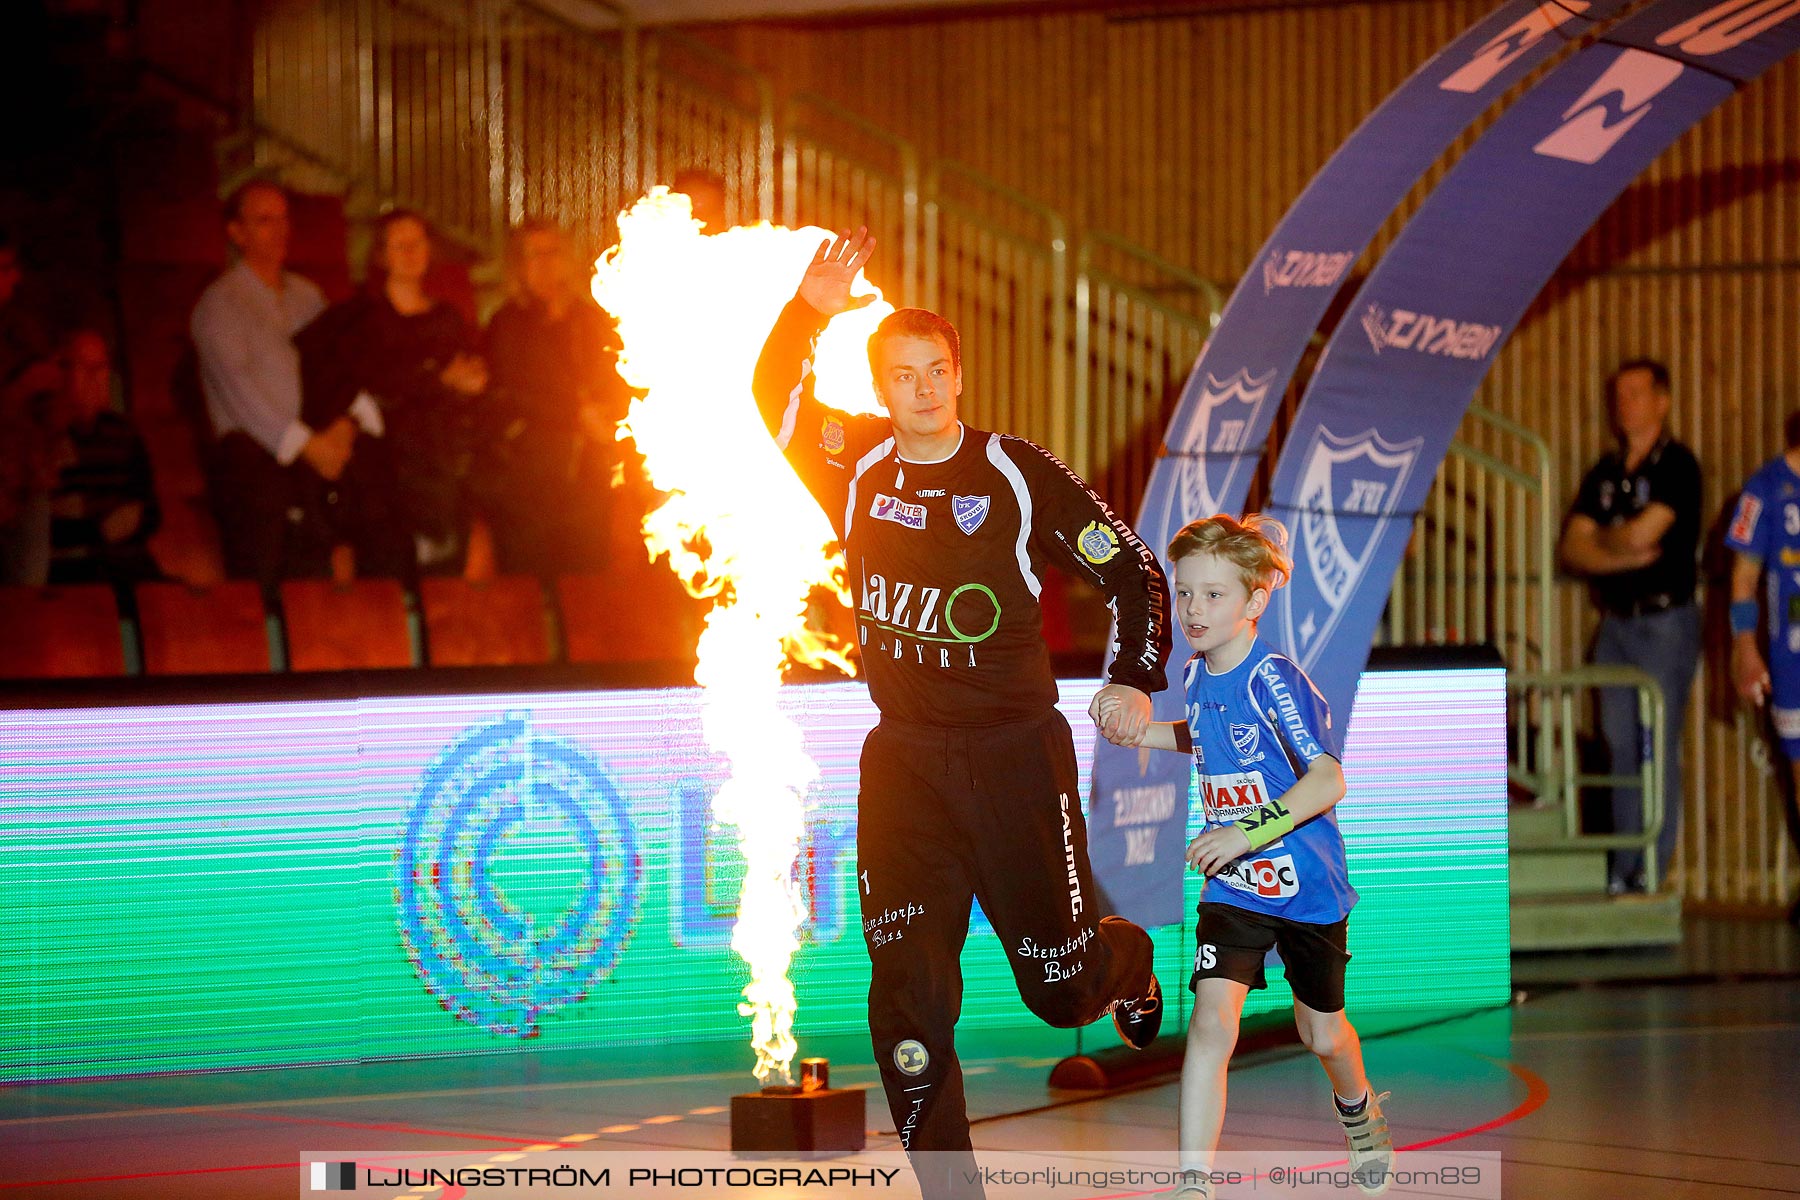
(265, 461)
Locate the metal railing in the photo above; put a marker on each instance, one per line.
(1000, 261)
(478, 112)
(1481, 568)
(571, 139)
(1139, 327)
(840, 171)
(703, 107)
(1481, 565)
(1559, 778)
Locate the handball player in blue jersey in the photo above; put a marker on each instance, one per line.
(1765, 537)
(1263, 744)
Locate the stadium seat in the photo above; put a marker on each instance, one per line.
(202, 631)
(345, 627)
(636, 614)
(60, 632)
(497, 622)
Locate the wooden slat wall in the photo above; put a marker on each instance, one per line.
(1191, 134)
(1187, 135)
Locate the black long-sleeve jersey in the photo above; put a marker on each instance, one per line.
(946, 559)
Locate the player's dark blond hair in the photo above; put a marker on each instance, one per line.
(1256, 546)
(915, 322)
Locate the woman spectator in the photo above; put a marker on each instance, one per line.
(554, 402)
(402, 365)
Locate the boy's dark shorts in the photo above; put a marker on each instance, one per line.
(1315, 955)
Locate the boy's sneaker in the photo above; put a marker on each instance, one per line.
(1139, 1020)
(1195, 1187)
(1371, 1145)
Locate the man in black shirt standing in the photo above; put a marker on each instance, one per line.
(1633, 530)
(968, 784)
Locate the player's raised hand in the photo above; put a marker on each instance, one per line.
(826, 284)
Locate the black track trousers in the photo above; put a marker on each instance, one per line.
(947, 814)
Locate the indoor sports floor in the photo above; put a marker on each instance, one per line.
(1651, 1076)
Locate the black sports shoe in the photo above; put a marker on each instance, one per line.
(1139, 1020)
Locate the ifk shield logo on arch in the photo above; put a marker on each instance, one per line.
(1215, 442)
(1349, 487)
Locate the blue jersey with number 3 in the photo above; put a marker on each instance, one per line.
(1256, 729)
(1766, 526)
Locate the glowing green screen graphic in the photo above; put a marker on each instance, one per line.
(223, 885)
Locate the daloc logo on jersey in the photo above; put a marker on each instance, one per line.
(1348, 490)
(970, 511)
(1244, 739)
(1272, 878)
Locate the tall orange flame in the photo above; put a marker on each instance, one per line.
(738, 527)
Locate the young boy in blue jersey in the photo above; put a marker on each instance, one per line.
(1262, 741)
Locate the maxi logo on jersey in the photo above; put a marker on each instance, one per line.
(1228, 797)
(1360, 478)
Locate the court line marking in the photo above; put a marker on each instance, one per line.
(368, 1098)
(1563, 1035)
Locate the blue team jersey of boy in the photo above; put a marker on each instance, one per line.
(1256, 729)
(1766, 526)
